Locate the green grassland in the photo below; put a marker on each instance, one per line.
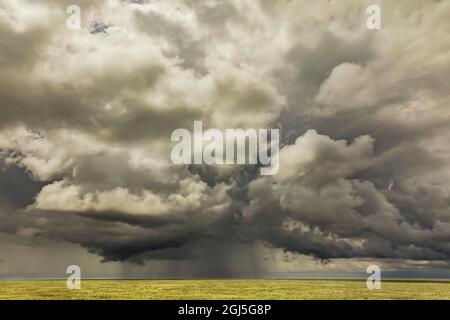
(223, 289)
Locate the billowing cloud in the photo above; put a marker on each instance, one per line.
(86, 119)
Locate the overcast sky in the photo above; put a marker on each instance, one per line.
(87, 115)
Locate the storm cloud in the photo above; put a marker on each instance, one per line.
(86, 119)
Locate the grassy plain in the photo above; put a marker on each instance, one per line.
(223, 289)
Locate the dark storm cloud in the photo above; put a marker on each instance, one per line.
(86, 120)
(17, 188)
(325, 210)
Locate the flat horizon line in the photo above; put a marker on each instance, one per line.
(229, 279)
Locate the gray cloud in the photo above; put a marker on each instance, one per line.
(86, 122)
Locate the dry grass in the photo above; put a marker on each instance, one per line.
(224, 289)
